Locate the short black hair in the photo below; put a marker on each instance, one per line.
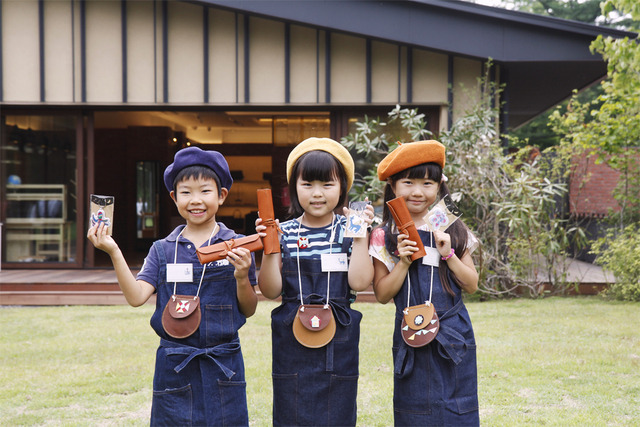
(197, 172)
(316, 165)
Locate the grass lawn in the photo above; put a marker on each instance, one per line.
(553, 362)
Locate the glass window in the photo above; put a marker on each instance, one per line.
(147, 200)
(290, 130)
(39, 178)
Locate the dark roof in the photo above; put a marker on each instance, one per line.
(543, 59)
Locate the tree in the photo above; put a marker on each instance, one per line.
(609, 128)
(506, 201)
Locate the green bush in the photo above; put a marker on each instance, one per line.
(619, 252)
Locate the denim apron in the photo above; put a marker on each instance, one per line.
(199, 380)
(435, 385)
(314, 386)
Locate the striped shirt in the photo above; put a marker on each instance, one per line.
(314, 241)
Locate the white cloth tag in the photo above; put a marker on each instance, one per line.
(432, 257)
(334, 262)
(180, 272)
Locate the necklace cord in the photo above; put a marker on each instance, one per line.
(331, 238)
(204, 267)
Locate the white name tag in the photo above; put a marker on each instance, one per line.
(432, 257)
(334, 262)
(181, 272)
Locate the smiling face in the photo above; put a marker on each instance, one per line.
(198, 200)
(318, 199)
(419, 193)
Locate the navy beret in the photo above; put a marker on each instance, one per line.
(194, 156)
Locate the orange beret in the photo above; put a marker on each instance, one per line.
(411, 154)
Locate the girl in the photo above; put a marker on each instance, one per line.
(315, 373)
(435, 384)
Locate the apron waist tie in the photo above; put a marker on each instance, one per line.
(451, 345)
(211, 352)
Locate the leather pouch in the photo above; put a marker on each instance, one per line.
(265, 208)
(314, 325)
(420, 325)
(220, 250)
(402, 217)
(181, 316)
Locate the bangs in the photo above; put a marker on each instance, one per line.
(318, 166)
(196, 172)
(432, 171)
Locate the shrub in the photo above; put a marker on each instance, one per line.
(619, 252)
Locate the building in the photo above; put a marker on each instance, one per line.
(96, 96)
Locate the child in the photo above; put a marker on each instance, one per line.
(199, 378)
(435, 384)
(316, 385)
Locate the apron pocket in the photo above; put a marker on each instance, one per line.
(233, 402)
(411, 391)
(466, 383)
(342, 400)
(172, 407)
(285, 392)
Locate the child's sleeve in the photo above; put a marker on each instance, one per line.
(472, 241)
(378, 250)
(150, 269)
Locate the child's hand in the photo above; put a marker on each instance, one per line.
(262, 229)
(368, 216)
(406, 248)
(240, 258)
(443, 242)
(98, 236)
(370, 213)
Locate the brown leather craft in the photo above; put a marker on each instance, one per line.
(220, 250)
(181, 316)
(314, 325)
(265, 208)
(402, 217)
(420, 325)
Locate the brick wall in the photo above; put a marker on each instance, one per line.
(591, 187)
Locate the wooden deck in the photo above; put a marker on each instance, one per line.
(60, 287)
(100, 287)
(74, 287)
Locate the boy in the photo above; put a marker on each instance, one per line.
(199, 375)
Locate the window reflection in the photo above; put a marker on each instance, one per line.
(39, 179)
(146, 200)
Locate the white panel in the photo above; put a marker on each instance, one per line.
(348, 69)
(384, 72)
(403, 74)
(430, 79)
(20, 51)
(104, 51)
(240, 59)
(465, 84)
(444, 118)
(141, 78)
(266, 63)
(303, 61)
(186, 66)
(58, 53)
(222, 56)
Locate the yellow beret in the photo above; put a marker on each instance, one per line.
(411, 154)
(323, 144)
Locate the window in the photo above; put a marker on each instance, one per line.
(39, 182)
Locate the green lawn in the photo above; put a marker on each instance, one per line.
(564, 362)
